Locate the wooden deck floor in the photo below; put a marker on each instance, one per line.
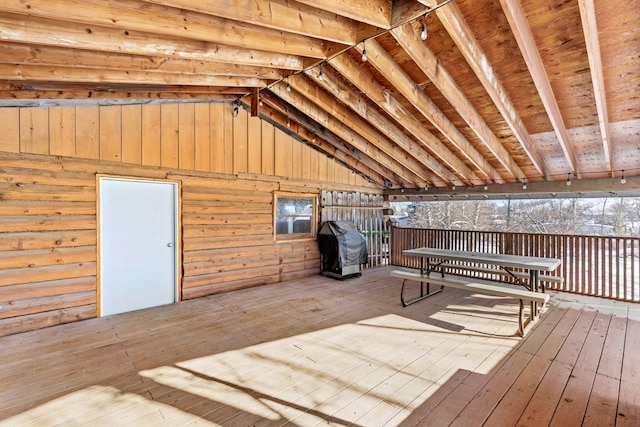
(324, 352)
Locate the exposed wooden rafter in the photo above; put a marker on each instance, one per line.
(37, 32)
(526, 42)
(409, 89)
(373, 12)
(363, 128)
(385, 100)
(347, 134)
(410, 41)
(275, 111)
(132, 16)
(55, 56)
(464, 39)
(590, 28)
(283, 15)
(87, 75)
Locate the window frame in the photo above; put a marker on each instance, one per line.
(313, 220)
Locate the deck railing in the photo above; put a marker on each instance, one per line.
(603, 266)
(366, 211)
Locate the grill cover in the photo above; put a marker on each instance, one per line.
(341, 245)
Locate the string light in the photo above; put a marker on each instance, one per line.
(524, 184)
(423, 36)
(453, 186)
(236, 110)
(342, 51)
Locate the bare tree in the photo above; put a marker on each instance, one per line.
(551, 216)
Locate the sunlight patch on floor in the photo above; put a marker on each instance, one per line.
(352, 374)
(97, 406)
(382, 363)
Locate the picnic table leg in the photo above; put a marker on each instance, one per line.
(534, 282)
(422, 296)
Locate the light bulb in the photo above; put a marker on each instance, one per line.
(423, 35)
(623, 180)
(288, 87)
(364, 55)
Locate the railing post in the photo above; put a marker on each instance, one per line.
(601, 266)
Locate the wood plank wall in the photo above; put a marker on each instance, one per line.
(366, 211)
(229, 168)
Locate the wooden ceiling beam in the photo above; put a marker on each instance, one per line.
(133, 15)
(433, 3)
(347, 134)
(372, 12)
(274, 112)
(341, 149)
(48, 98)
(391, 71)
(590, 29)
(407, 10)
(526, 43)
(394, 148)
(282, 15)
(14, 53)
(37, 31)
(459, 31)
(113, 87)
(385, 100)
(409, 39)
(581, 188)
(89, 75)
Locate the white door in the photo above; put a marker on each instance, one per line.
(138, 234)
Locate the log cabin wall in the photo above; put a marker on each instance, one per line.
(229, 168)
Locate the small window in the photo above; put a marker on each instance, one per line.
(295, 216)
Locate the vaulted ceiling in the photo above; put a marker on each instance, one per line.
(501, 93)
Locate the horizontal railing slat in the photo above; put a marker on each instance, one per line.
(602, 266)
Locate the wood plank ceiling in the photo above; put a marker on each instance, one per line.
(500, 94)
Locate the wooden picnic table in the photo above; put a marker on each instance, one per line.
(436, 260)
(504, 261)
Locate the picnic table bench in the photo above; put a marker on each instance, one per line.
(476, 285)
(433, 273)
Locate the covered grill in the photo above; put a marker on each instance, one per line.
(343, 249)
